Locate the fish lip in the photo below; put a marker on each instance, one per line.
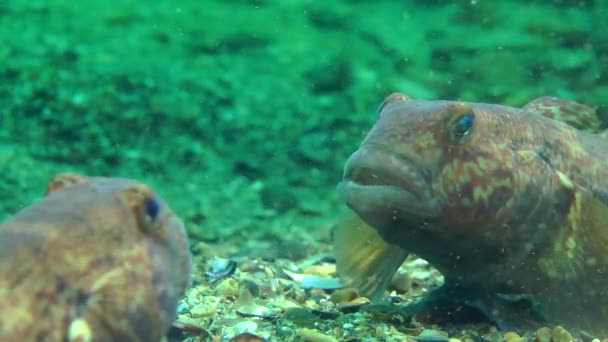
(382, 187)
(375, 166)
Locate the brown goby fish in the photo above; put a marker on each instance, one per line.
(97, 259)
(507, 203)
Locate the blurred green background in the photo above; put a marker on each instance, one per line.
(242, 113)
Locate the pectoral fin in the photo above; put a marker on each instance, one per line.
(577, 263)
(363, 260)
(580, 247)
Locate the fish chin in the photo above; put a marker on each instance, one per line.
(381, 205)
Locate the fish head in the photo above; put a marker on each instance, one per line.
(435, 169)
(500, 200)
(130, 218)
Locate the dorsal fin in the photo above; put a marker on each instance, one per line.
(570, 112)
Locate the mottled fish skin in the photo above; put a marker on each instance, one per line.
(97, 259)
(516, 204)
(574, 114)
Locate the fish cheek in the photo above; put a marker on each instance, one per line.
(482, 203)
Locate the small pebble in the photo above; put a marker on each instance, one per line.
(228, 287)
(560, 334)
(430, 335)
(543, 335)
(310, 335)
(220, 268)
(247, 337)
(401, 282)
(246, 327)
(202, 311)
(344, 295)
(513, 337)
(183, 307)
(419, 263)
(420, 276)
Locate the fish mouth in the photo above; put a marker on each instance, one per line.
(383, 187)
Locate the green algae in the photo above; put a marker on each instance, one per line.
(194, 97)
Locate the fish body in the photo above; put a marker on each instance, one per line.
(501, 200)
(97, 259)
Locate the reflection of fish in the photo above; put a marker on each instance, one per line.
(101, 259)
(501, 200)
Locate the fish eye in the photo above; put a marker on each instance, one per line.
(152, 207)
(463, 125)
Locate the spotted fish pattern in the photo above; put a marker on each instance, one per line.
(506, 202)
